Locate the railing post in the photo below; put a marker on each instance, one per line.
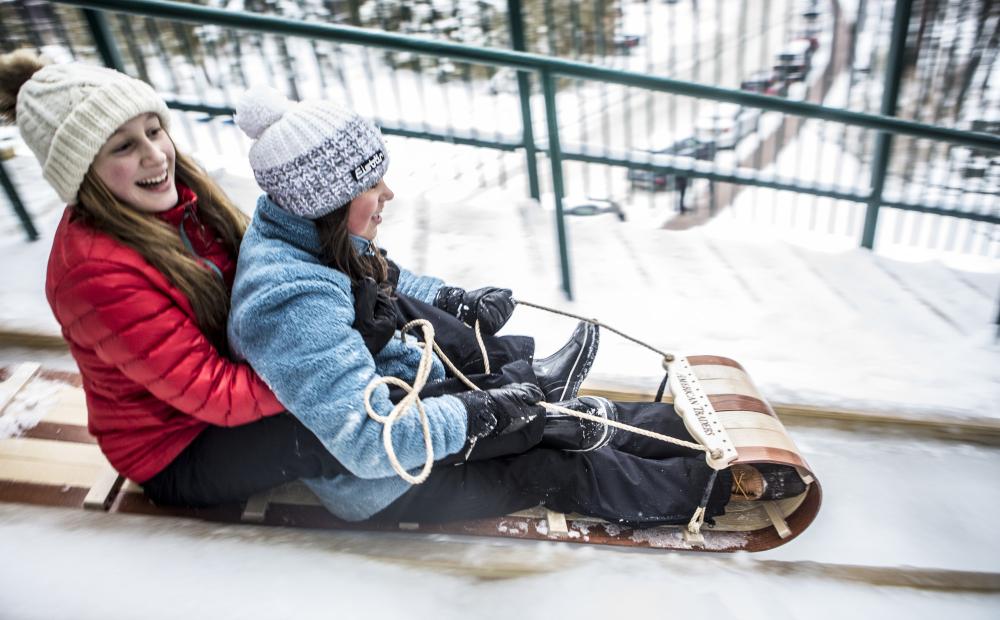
(15, 200)
(103, 39)
(890, 93)
(516, 19)
(555, 156)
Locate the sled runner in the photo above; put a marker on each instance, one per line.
(57, 463)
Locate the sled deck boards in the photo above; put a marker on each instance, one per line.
(57, 463)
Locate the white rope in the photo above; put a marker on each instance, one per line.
(402, 407)
(423, 371)
(482, 349)
(666, 356)
(697, 520)
(413, 398)
(624, 427)
(587, 416)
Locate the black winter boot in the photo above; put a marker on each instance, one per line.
(765, 481)
(573, 434)
(561, 374)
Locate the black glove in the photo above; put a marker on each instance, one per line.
(501, 410)
(490, 306)
(374, 314)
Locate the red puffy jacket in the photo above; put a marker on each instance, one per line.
(153, 381)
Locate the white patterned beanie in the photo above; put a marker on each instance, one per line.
(66, 112)
(311, 157)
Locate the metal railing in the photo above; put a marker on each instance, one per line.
(550, 72)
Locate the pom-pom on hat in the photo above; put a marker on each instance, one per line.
(66, 112)
(311, 157)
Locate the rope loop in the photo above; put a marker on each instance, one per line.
(412, 398)
(403, 406)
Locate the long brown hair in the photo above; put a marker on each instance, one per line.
(338, 251)
(160, 244)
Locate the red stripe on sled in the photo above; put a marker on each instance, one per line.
(757, 454)
(42, 494)
(60, 432)
(739, 402)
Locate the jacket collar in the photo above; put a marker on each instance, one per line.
(277, 223)
(363, 246)
(186, 199)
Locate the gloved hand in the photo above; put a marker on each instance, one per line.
(501, 410)
(374, 314)
(491, 306)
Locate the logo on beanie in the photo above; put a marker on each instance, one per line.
(366, 168)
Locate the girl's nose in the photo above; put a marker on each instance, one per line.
(387, 195)
(152, 152)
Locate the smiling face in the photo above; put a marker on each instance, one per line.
(364, 213)
(137, 165)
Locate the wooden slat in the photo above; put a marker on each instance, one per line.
(51, 450)
(294, 493)
(103, 489)
(749, 516)
(42, 494)
(256, 508)
(556, 523)
(698, 360)
(19, 377)
(59, 432)
(47, 450)
(758, 454)
(777, 519)
(750, 420)
(756, 437)
(70, 407)
(714, 387)
(736, 402)
(718, 371)
(79, 475)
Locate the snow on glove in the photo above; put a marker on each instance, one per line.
(374, 314)
(501, 410)
(490, 306)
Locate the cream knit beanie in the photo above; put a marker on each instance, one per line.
(66, 113)
(311, 157)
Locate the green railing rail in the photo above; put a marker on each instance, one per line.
(547, 69)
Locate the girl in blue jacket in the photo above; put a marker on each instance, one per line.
(316, 309)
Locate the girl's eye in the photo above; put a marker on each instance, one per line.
(121, 148)
(155, 131)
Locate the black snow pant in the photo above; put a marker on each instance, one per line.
(634, 480)
(230, 464)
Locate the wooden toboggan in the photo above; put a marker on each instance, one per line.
(55, 462)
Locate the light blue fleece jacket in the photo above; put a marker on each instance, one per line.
(291, 319)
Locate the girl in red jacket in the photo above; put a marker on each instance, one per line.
(139, 278)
